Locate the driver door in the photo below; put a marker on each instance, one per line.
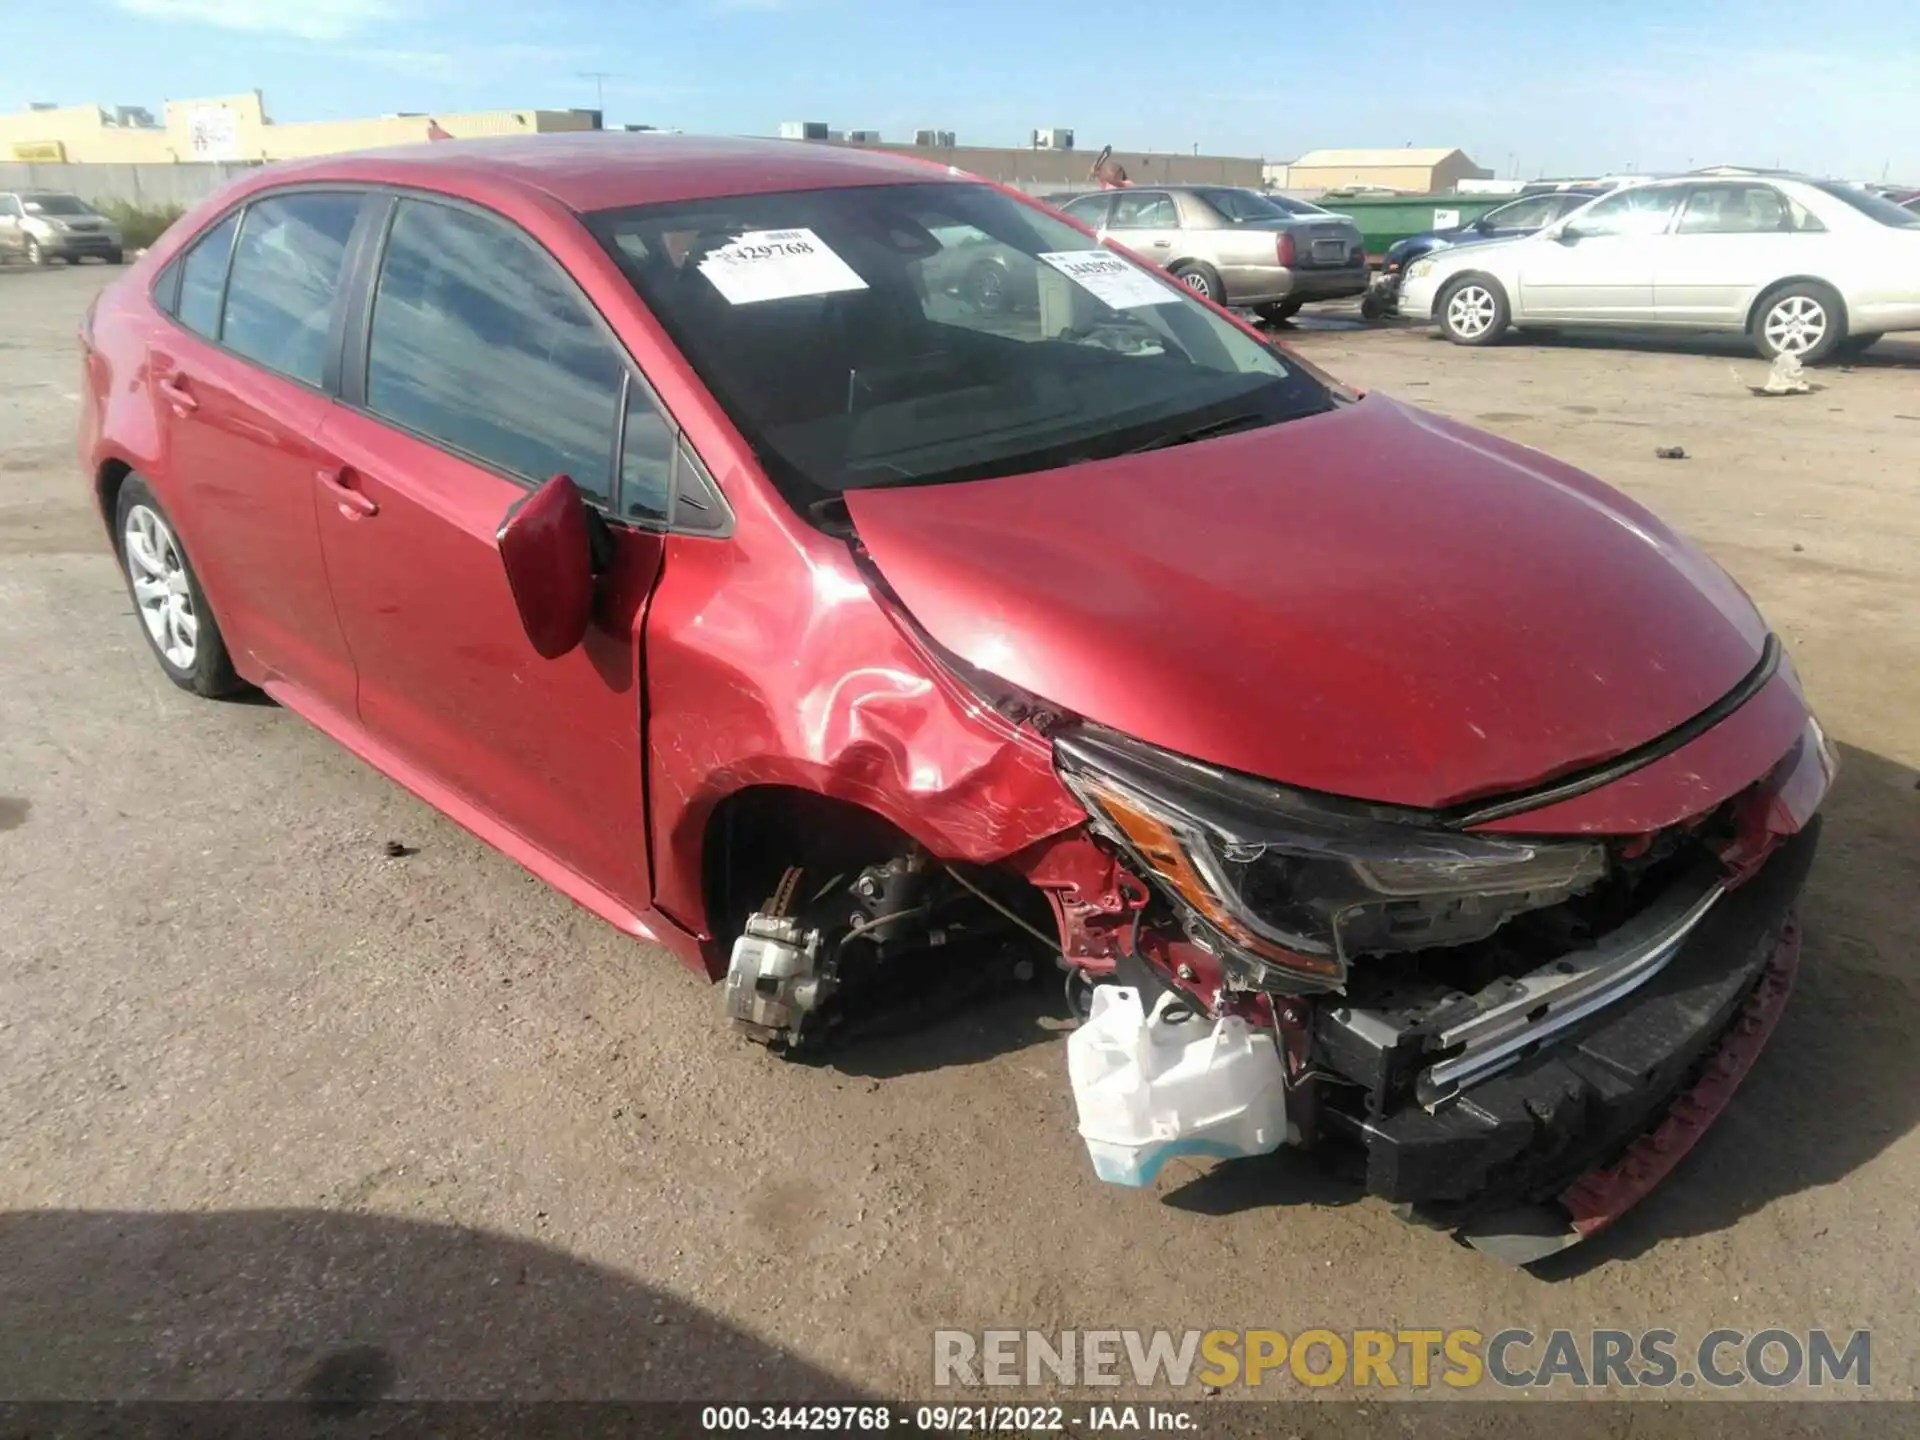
(1599, 266)
(486, 373)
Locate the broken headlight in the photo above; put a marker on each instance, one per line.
(1299, 884)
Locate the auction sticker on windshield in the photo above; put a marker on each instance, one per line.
(777, 265)
(1111, 279)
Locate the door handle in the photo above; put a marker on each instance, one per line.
(353, 501)
(177, 394)
(1161, 244)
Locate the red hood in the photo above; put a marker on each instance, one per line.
(1374, 602)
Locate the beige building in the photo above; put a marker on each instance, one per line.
(1417, 172)
(237, 128)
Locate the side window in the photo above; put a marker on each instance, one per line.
(481, 342)
(1640, 212)
(1806, 222)
(646, 460)
(1525, 214)
(286, 271)
(1145, 210)
(1734, 210)
(9, 207)
(1090, 210)
(203, 274)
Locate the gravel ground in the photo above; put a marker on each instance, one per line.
(284, 1115)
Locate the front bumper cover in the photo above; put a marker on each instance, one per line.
(1525, 1136)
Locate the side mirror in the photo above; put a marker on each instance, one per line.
(1566, 235)
(546, 548)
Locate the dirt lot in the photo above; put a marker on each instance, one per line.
(279, 1108)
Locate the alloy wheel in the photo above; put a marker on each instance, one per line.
(160, 587)
(1795, 325)
(1196, 282)
(1470, 311)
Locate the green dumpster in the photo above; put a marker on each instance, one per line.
(1384, 219)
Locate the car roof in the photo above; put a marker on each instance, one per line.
(602, 170)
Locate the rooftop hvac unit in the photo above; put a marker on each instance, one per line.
(803, 130)
(1053, 139)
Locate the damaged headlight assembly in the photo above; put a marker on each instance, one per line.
(1289, 887)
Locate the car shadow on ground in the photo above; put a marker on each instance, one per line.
(336, 1311)
(1895, 352)
(1840, 1081)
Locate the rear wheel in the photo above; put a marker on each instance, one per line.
(35, 255)
(1473, 311)
(1805, 320)
(986, 288)
(1202, 279)
(1279, 310)
(174, 614)
(116, 257)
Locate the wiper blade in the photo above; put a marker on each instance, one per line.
(1203, 432)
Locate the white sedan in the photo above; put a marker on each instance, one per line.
(1811, 268)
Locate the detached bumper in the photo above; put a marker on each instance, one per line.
(1556, 1131)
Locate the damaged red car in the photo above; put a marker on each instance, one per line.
(690, 521)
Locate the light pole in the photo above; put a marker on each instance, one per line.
(599, 78)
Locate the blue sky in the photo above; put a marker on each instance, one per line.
(1830, 86)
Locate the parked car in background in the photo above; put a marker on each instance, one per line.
(42, 225)
(1812, 268)
(1236, 247)
(1522, 217)
(636, 501)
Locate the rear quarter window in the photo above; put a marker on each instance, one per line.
(203, 275)
(286, 273)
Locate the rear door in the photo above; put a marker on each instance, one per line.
(1732, 238)
(485, 372)
(241, 386)
(1600, 268)
(1147, 222)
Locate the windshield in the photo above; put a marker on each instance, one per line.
(1874, 207)
(56, 205)
(908, 334)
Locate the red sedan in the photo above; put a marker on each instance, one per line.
(667, 513)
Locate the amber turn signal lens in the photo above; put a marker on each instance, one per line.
(1161, 847)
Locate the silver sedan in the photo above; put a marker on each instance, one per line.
(1234, 246)
(1813, 268)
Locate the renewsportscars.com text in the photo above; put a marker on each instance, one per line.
(1458, 1359)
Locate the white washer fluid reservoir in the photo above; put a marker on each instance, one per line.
(1150, 1087)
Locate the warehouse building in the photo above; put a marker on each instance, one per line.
(1415, 171)
(237, 128)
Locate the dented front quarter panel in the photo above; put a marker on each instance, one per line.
(770, 662)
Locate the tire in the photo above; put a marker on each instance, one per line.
(167, 598)
(1371, 308)
(1278, 311)
(1805, 318)
(1473, 310)
(985, 288)
(116, 257)
(1202, 279)
(36, 257)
